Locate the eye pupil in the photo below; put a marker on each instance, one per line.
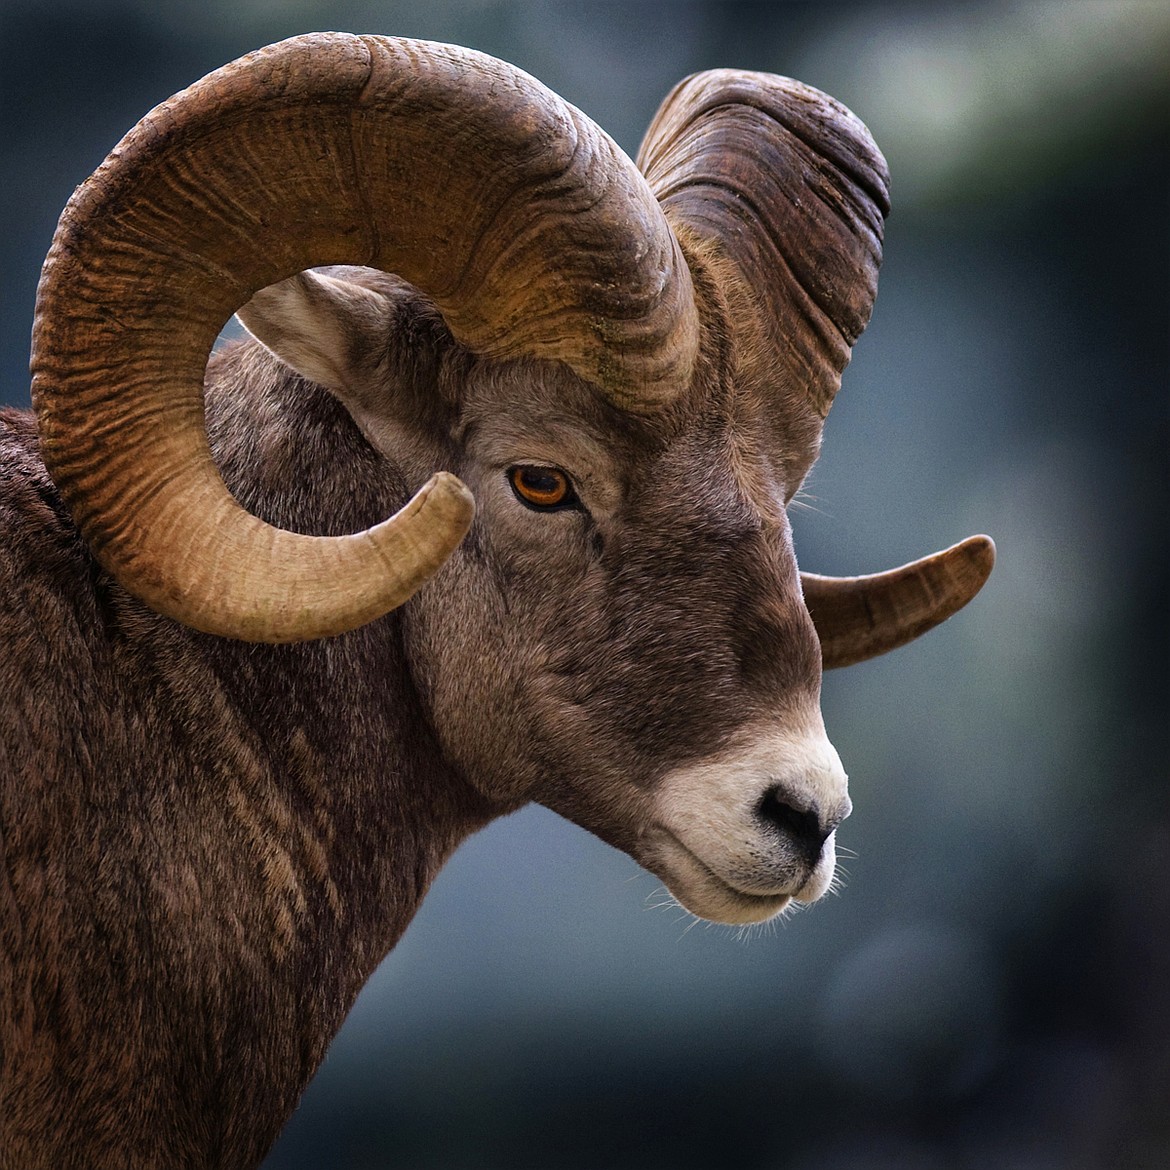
(541, 482)
(541, 487)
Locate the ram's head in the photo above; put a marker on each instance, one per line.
(627, 366)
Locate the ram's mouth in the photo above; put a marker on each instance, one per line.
(707, 894)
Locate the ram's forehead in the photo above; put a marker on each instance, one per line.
(719, 452)
(513, 402)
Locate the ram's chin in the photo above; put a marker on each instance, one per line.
(699, 889)
(727, 905)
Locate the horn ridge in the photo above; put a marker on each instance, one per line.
(819, 188)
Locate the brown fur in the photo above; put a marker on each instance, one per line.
(207, 846)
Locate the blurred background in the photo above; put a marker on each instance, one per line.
(992, 985)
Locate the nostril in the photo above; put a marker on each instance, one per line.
(801, 825)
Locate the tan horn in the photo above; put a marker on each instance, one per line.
(521, 219)
(861, 617)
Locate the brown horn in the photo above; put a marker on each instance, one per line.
(521, 219)
(787, 185)
(861, 617)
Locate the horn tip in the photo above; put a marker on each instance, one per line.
(979, 554)
(447, 497)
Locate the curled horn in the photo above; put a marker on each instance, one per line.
(782, 189)
(520, 218)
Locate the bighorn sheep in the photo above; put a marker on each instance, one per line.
(232, 758)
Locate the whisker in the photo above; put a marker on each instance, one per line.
(805, 501)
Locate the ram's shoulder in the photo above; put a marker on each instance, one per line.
(47, 575)
(33, 518)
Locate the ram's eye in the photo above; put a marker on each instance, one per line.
(542, 488)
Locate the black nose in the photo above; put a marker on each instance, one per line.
(802, 825)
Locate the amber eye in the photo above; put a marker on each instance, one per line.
(544, 488)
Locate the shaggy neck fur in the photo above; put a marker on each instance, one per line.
(199, 916)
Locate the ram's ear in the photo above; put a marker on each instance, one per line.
(327, 330)
(370, 338)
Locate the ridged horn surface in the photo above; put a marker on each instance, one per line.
(521, 219)
(788, 189)
(861, 617)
